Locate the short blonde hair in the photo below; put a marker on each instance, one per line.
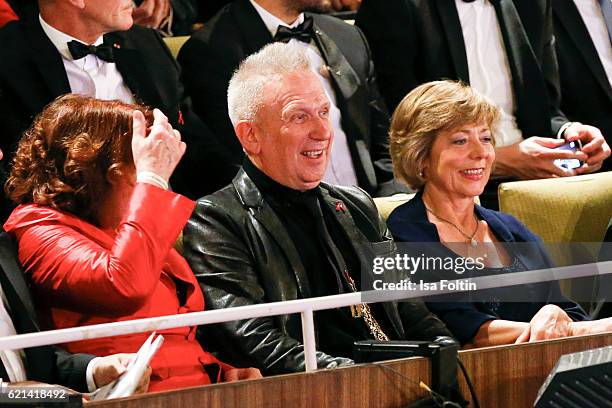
(428, 109)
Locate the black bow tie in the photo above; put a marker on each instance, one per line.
(303, 32)
(79, 50)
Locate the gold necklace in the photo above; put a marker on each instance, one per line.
(471, 238)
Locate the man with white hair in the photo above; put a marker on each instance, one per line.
(338, 55)
(278, 233)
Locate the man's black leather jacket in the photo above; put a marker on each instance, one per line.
(242, 255)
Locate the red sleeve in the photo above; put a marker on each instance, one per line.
(74, 271)
(6, 13)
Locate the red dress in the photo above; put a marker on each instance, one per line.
(6, 13)
(83, 275)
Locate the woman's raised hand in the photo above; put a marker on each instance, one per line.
(158, 152)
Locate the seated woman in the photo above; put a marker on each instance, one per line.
(441, 143)
(95, 228)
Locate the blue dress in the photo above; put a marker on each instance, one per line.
(409, 223)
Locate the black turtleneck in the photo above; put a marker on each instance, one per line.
(336, 329)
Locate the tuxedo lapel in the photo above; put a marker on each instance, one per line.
(352, 101)
(341, 72)
(454, 37)
(134, 68)
(527, 79)
(568, 15)
(254, 31)
(47, 59)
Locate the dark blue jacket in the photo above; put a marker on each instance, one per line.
(409, 223)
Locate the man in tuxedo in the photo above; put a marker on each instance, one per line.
(504, 49)
(339, 56)
(173, 17)
(584, 52)
(277, 233)
(81, 372)
(93, 48)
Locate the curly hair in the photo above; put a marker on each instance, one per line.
(64, 159)
(427, 110)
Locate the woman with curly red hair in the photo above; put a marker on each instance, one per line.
(96, 226)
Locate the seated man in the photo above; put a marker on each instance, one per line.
(584, 50)
(277, 233)
(503, 49)
(94, 49)
(338, 54)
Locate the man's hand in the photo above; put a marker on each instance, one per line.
(345, 5)
(109, 368)
(237, 374)
(551, 322)
(533, 159)
(151, 13)
(593, 145)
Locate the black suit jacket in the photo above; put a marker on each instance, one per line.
(417, 41)
(212, 54)
(242, 254)
(44, 364)
(586, 95)
(32, 74)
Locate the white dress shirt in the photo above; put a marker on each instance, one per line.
(340, 169)
(488, 64)
(591, 14)
(88, 76)
(11, 359)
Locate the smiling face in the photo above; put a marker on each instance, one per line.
(292, 131)
(460, 161)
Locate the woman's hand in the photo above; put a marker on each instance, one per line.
(161, 150)
(109, 368)
(237, 374)
(592, 327)
(551, 322)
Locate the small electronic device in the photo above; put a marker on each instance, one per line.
(569, 164)
(442, 354)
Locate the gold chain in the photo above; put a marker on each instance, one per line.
(365, 312)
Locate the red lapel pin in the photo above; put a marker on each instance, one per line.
(181, 121)
(339, 206)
